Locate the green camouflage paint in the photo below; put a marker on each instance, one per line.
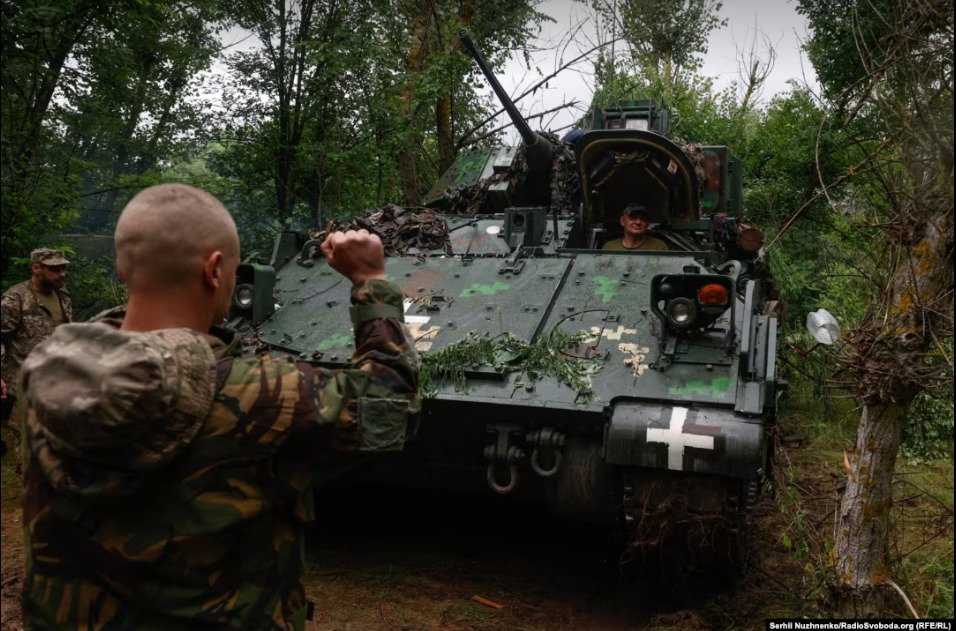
(485, 290)
(334, 342)
(716, 388)
(472, 164)
(605, 288)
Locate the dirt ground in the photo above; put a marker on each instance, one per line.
(11, 542)
(415, 561)
(391, 560)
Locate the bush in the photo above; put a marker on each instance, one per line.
(94, 287)
(928, 433)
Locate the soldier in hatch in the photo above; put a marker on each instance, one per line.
(29, 313)
(634, 221)
(167, 480)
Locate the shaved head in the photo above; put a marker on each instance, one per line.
(166, 231)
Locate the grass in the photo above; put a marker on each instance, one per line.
(10, 488)
(922, 542)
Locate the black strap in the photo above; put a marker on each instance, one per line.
(364, 313)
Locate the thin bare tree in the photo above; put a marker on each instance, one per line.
(755, 61)
(903, 105)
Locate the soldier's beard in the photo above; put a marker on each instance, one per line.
(47, 285)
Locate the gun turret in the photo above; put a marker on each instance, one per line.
(538, 150)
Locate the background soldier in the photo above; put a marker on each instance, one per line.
(29, 313)
(167, 481)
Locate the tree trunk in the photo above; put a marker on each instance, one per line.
(887, 364)
(444, 108)
(858, 586)
(283, 159)
(669, 78)
(414, 63)
(444, 133)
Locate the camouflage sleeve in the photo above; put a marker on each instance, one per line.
(9, 315)
(369, 404)
(281, 403)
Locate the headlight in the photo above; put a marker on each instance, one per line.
(681, 312)
(690, 302)
(243, 296)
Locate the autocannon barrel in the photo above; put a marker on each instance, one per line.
(527, 135)
(538, 150)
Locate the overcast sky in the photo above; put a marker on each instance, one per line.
(777, 19)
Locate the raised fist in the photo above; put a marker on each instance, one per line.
(357, 254)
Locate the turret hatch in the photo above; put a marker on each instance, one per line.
(620, 167)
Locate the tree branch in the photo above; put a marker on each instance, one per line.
(462, 140)
(506, 126)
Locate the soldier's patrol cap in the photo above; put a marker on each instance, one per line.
(636, 210)
(48, 256)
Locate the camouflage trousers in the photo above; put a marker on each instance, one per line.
(6, 407)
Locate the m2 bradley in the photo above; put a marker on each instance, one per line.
(631, 388)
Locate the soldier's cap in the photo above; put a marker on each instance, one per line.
(127, 400)
(636, 210)
(48, 256)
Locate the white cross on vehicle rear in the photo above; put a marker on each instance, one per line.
(676, 440)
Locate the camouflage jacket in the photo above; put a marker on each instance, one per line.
(24, 323)
(167, 480)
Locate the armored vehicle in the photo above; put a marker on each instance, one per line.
(631, 388)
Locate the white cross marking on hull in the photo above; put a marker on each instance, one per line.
(609, 334)
(676, 440)
(413, 319)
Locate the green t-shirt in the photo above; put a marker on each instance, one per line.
(650, 243)
(52, 303)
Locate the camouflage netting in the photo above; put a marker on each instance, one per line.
(399, 228)
(404, 228)
(469, 200)
(695, 152)
(564, 175)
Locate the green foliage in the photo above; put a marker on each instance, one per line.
(822, 269)
(93, 286)
(835, 48)
(698, 113)
(781, 161)
(358, 104)
(137, 103)
(857, 46)
(921, 538)
(668, 38)
(823, 258)
(934, 576)
(29, 217)
(941, 605)
(543, 358)
(95, 96)
(928, 433)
